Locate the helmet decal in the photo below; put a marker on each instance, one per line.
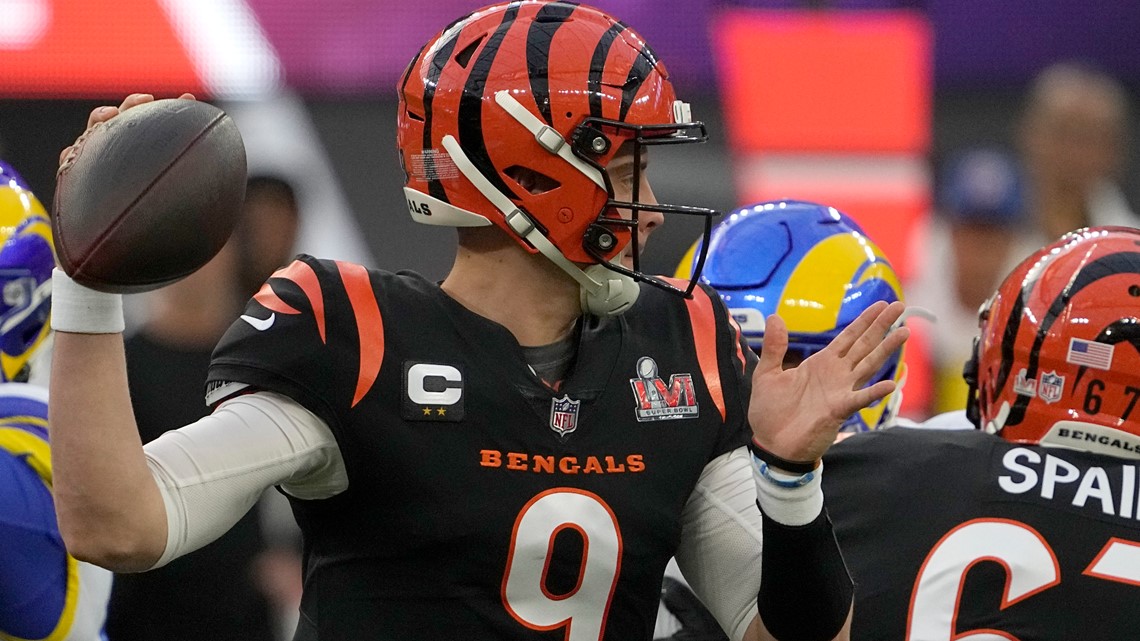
(446, 46)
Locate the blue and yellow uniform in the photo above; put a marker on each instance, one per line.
(44, 592)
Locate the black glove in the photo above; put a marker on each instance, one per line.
(697, 623)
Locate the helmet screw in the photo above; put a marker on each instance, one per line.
(606, 241)
(599, 144)
(565, 215)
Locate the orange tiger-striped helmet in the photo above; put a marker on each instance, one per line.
(1058, 358)
(554, 88)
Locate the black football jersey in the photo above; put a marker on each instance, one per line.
(956, 534)
(481, 504)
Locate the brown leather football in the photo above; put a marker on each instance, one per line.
(149, 196)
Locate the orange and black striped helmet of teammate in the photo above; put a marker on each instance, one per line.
(1058, 357)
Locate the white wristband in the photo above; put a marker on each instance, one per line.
(789, 499)
(81, 310)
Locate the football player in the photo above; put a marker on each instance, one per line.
(517, 452)
(1026, 528)
(44, 592)
(815, 268)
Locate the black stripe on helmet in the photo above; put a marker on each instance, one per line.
(1009, 338)
(471, 104)
(435, 70)
(1118, 263)
(547, 21)
(412, 64)
(598, 67)
(642, 66)
(408, 72)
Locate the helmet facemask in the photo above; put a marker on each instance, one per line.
(609, 227)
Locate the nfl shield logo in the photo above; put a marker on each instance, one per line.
(1050, 386)
(564, 415)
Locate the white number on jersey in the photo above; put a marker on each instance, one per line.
(582, 610)
(1030, 566)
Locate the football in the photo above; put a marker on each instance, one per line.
(149, 196)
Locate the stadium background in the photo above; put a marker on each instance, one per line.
(854, 102)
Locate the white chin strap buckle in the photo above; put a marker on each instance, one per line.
(614, 293)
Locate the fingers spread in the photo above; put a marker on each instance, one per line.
(874, 361)
(874, 332)
(843, 342)
(863, 397)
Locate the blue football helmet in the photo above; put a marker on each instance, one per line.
(814, 267)
(26, 261)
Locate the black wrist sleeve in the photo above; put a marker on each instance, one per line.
(805, 590)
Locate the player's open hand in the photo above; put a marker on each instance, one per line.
(101, 115)
(796, 413)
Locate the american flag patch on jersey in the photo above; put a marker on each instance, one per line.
(1090, 353)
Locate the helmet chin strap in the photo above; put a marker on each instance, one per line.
(617, 293)
(604, 291)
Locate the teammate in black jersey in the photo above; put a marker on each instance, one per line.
(1030, 527)
(517, 452)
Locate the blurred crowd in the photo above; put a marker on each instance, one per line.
(997, 205)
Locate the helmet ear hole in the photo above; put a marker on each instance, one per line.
(463, 58)
(534, 182)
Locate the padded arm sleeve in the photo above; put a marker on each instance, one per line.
(721, 541)
(211, 472)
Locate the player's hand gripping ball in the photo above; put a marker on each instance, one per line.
(149, 196)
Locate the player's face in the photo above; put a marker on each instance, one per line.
(624, 176)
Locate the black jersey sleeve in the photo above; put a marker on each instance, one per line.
(306, 335)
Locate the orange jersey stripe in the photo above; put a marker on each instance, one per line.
(303, 275)
(271, 301)
(369, 325)
(703, 319)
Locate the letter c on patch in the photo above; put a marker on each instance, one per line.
(445, 383)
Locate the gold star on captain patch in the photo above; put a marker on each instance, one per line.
(441, 411)
(427, 411)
